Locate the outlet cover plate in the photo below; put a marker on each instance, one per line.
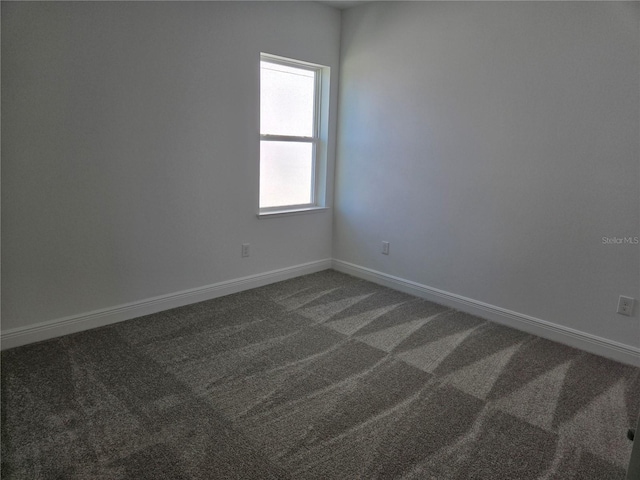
(625, 305)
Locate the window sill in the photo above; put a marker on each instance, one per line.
(294, 211)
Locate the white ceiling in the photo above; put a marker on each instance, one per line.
(341, 4)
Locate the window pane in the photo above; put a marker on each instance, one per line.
(286, 100)
(286, 173)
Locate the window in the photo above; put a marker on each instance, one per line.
(292, 155)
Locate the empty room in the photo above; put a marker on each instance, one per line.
(320, 240)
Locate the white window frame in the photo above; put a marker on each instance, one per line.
(318, 140)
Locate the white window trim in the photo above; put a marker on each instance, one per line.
(292, 211)
(319, 140)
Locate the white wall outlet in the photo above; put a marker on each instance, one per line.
(245, 249)
(625, 305)
(385, 248)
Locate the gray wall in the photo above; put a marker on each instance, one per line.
(494, 144)
(130, 148)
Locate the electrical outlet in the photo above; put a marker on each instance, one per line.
(625, 305)
(245, 249)
(385, 248)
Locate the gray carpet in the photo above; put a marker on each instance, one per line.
(320, 377)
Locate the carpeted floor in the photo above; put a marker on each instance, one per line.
(320, 377)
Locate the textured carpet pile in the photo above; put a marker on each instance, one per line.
(320, 377)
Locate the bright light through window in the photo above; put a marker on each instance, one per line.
(285, 173)
(286, 100)
(288, 133)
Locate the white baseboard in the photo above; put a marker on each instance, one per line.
(542, 328)
(98, 318)
(63, 326)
